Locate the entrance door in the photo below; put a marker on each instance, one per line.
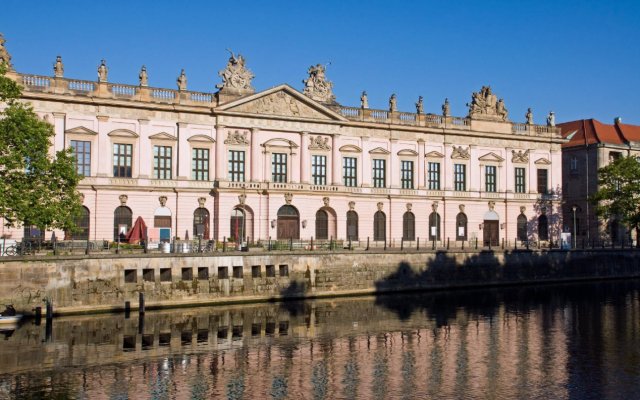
(288, 223)
(491, 233)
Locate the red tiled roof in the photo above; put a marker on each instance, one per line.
(591, 131)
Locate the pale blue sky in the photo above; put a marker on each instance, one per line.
(580, 59)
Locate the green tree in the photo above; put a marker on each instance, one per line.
(35, 188)
(618, 194)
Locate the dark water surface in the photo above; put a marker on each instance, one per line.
(578, 341)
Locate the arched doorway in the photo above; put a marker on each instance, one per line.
(461, 226)
(543, 228)
(237, 225)
(288, 223)
(522, 227)
(326, 224)
(379, 226)
(122, 221)
(82, 221)
(491, 229)
(352, 225)
(434, 226)
(201, 223)
(408, 226)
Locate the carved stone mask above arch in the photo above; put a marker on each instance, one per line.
(409, 207)
(434, 206)
(492, 205)
(162, 200)
(461, 208)
(352, 205)
(202, 201)
(288, 197)
(123, 199)
(380, 205)
(523, 209)
(325, 201)
(242, 198)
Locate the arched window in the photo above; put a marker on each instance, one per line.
(408, 226)
(379, 226)
(434, 226)
(288, 223)
(543, 228)
(201, 223)
(238, 226)
(461, 226)
(122, 221)
(352, 225)
(522, 227)
(82, 222)
(322, 225)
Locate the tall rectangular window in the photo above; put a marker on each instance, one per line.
(379, 173)
(520, 182)
(350, 171)
(490, 178)
(236, 166)
(434, 175)
(542, 180)
(279, 167)
(122, 160)
(82, 154)
(162, 162)
(459, 177)
(406, 174)
(200, 164)
(319, 170)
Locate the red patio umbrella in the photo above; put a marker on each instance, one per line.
(138, 232)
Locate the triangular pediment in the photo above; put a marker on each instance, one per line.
(434, 154)
(162, 136)
(379, 150)
(491, 157)
(123, 133)
(542, 161)
(201, 138)
(283, 101)
(80, 130)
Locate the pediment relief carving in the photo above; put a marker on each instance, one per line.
(491, 156)
(542, 161)
(80, 130)
(519, 156)
(319, 143)
(350, 148)
(237, 137)
(284, 101)
(123, 133)
(461, 153)
(162, 136)
(407, 152)
(379, 150)
(201, 138)
(434, 154)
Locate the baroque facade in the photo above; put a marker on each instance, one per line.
(281, 163)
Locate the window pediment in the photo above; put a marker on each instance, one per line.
(379, 150)
(126, 133)
(407, 152)
(491, 157)
(80, 130)
(163, 136)
(280, 142)
(542, 161)
(434, 154)
(350, 148)
(201, 139)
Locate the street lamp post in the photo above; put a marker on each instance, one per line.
(575, 233)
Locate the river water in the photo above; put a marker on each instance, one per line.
(574, 341)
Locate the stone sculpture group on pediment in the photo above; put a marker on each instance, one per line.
(317, 87)
(486, 105)
(236, 77)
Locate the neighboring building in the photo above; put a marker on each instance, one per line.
(287, 164)
(592, 145)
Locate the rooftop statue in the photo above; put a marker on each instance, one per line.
(317, 87)
(182, 80)
(58, 68)
(551, 119)
(529, 116)
(103, 71)
(485, 105)
(5, 57)
(420, 105)
(143, 77)
(446, 110)
(364, 100)
(236, 78)
(393, 103)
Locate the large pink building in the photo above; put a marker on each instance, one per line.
(282, 163)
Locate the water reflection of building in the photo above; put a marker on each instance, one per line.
(264, 350)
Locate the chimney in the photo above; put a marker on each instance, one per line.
(617, 120)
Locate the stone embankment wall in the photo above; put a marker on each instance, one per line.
(79, 284)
